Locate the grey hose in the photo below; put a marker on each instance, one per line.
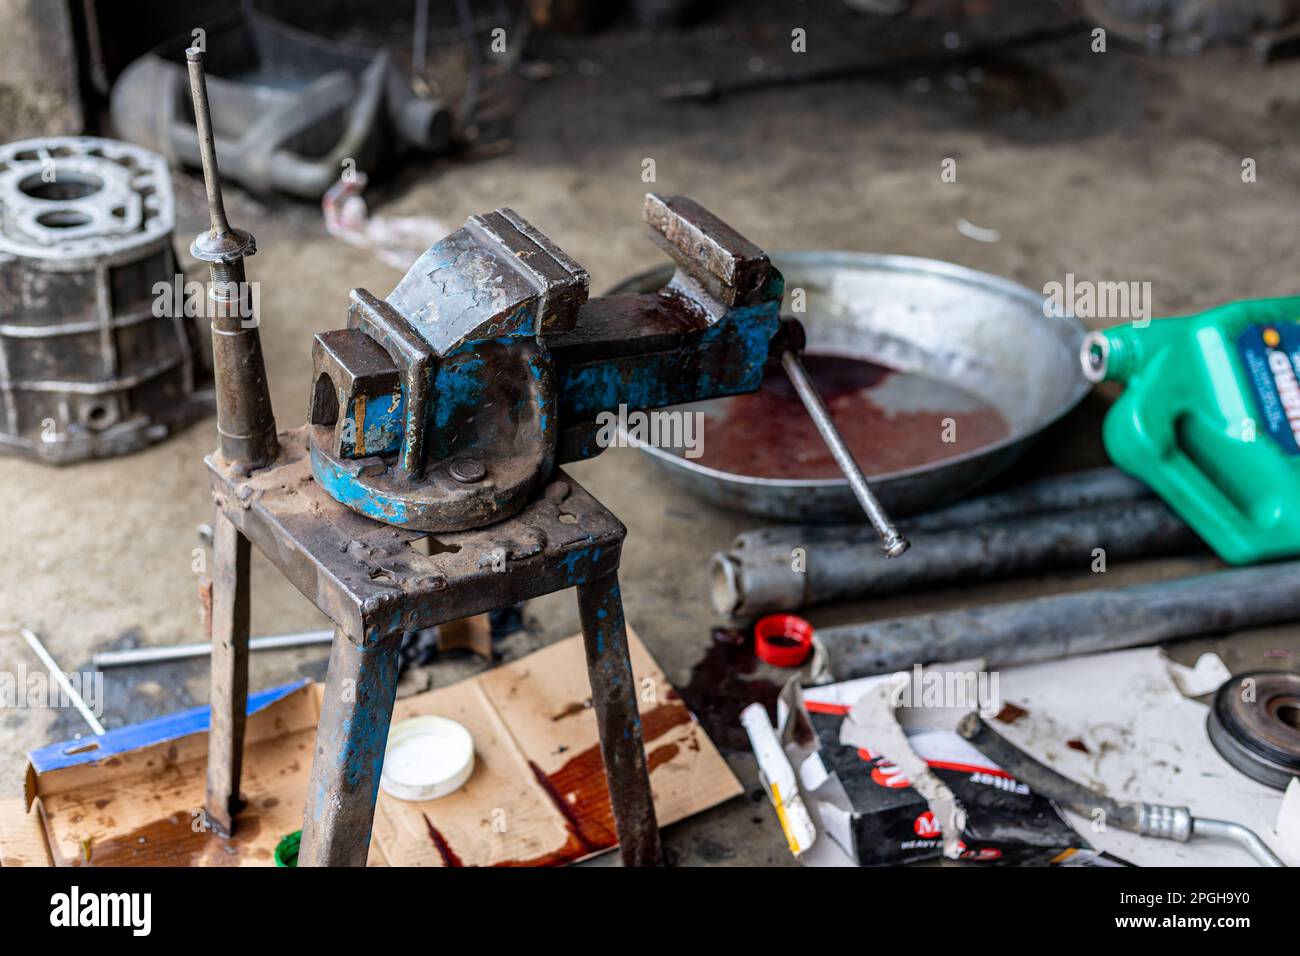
(1124, 814)
(1144, 819)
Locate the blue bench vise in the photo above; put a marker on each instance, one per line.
(448, 405)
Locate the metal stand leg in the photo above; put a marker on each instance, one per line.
(613, 697)
(229, 696)
(350, 742)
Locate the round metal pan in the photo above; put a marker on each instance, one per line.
(984, 334)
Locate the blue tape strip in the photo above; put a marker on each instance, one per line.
(146, 733)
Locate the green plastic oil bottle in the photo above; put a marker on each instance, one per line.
(1210, 419)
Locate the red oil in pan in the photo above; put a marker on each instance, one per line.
(891, 421)
(949, 343)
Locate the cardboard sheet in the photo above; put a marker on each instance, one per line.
(537, 795)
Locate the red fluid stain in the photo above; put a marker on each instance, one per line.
(448, 855)
(579, 794)
(768, 433)
(720, 688)
(661, 755)
(1010, 713)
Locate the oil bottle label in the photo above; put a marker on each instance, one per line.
(1271, 354)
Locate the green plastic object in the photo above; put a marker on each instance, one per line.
(1210, 419)
(286, 851)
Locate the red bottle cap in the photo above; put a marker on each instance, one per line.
(783, 640)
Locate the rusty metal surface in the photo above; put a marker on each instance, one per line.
(375, 583)
(244, 419)
(356, 710)
(94, 361)
(1252, 724)
(497, 362)
(614, 700)
(228, 620)
(369, 579)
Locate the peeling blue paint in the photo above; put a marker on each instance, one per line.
(653, 381)
(338, 484)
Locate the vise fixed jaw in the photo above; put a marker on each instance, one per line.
(445, 406)
(434, 409)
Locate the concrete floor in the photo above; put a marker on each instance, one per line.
(1111, 166)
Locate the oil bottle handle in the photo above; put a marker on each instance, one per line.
(1202, 502)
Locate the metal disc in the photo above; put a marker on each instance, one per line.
(1254, 724)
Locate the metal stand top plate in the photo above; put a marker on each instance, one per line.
(370, 579)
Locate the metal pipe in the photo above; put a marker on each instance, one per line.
(1145, 819)
(179, 652)
(1075, 491)
(1085, 622)
(61, 679)
(244, 418)
(891, 541)
(1243, 835)
(749, 581)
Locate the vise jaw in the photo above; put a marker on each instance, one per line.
(446, 406)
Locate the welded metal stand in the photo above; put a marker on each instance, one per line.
(374, 585)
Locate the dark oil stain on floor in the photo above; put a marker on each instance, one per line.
(720, 688)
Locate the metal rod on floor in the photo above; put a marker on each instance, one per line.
(61, 678)
(177, 652)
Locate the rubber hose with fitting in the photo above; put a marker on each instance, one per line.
(1145, 819)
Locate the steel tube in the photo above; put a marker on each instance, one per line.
(180, 652)
(891, 540)
(1085, 622)
(614, 699)
(61, 679)
(1157, 820)
(1075, 491)
(1245, 837)
(749, 581)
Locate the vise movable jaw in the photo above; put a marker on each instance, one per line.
(445, 406)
